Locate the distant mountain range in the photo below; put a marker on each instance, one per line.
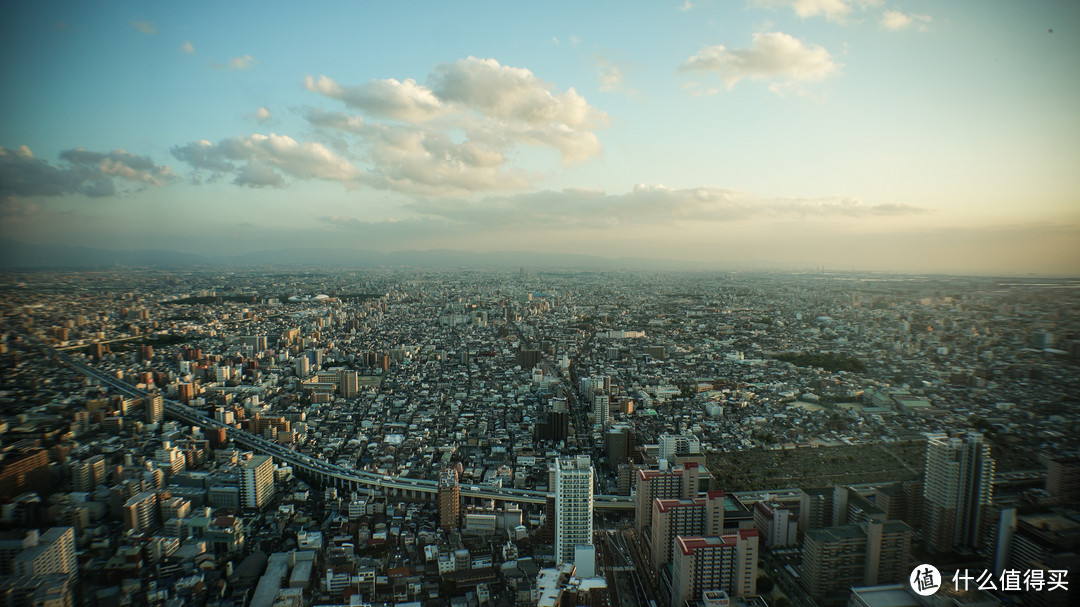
(15, 255)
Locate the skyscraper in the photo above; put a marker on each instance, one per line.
(449, 499)
(957, 489)
(350, 384)
(573, 506)
(257, 482)
(155, 408)
(602, 410)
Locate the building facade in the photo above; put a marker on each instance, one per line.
(257, 482)
(957, 490)
(725, 562)
(573, 506)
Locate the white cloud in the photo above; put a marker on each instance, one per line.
(643, 205)
(896, 20)
(241, 63)
(612, 76)
(255, 174)
(425, 161)
(686, 6)
(267, 154)
(262, 115)
(390, 98)
(833, 10)
(83, 171)
(455, 132)
(511, 93)
(773, 55)
(337, 120)
(188, 48)
(146, 27)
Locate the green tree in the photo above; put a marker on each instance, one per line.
(764, 585)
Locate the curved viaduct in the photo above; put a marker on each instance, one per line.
(331, 475)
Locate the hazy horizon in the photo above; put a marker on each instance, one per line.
(907, 136)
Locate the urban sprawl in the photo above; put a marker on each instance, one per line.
(294, 437)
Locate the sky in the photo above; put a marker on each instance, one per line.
(882, 135)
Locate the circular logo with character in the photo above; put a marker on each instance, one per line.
(925, 580)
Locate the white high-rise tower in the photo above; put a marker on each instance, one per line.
(573, 506)
(957, 490)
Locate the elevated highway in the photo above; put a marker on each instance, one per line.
(324, 473)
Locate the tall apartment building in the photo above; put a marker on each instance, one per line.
(702, 516)
(449, 500)
(89, 473)
(858, 554)
(49, 553)
(674, 483)
(24, 470)
(573, 506)
(303, 366)
(155, 408)
(823, 507)
(170, 458)
(185, 392)
(678, 444)
(775, 523)
(555, 427)
(1063, 480)
(815, 509)
(956, 491)
(726, 562)
(349, 383)
(140, 513)
(257, 482)
(602, 410)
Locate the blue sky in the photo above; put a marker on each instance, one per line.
(855, 134)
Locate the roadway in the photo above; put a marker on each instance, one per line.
(325, 472)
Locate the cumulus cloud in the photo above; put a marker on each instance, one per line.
(241, 63)
(390, 98)
(255, 174)
(82, 171)
(896, 20)
(773, 55)
(266, 154)
(146, 27)
(188, 48)
(612, 76)
(643, 205)
(236, 63)
(455, 132)
(511, 93)
(833, 10)
(262, 115)
(430, 162)
(337, 120)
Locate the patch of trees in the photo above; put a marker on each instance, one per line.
(828, 361)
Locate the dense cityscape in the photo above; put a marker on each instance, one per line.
(287, 437)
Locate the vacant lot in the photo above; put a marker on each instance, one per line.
(823, 466)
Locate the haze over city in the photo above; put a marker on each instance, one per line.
(852, 134)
